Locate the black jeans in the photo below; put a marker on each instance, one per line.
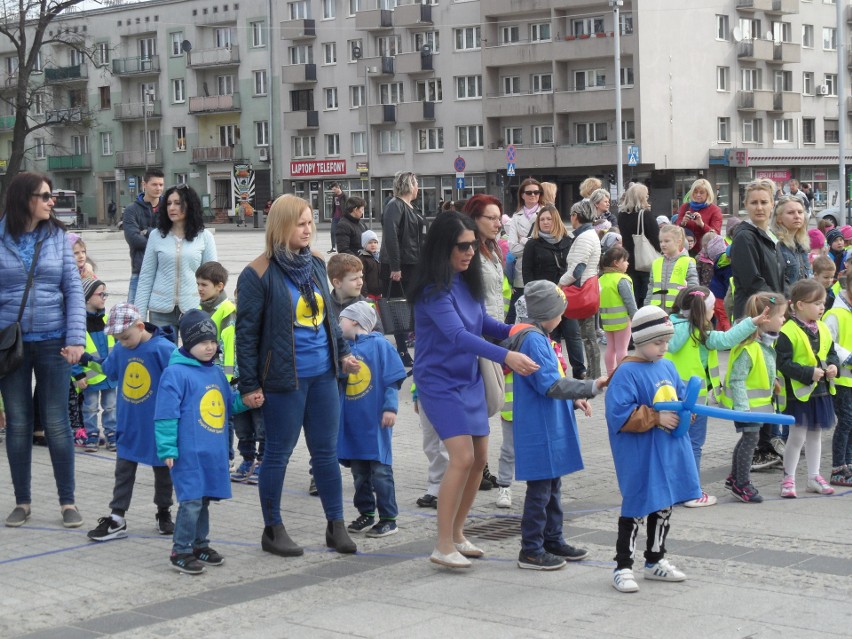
(641, 280)
(125, 478)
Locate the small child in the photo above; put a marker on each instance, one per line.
(618, 305)
(817, 244)
(838, 319)
(823, 268)
(611, 239)
(84, 264)
(706, 265)
(846, 231)
(654, 469)
(690, 239)
(193, 403)
(211, 279)
(545, 431)
(809, 363)
(671, 272)
(749, 385)
(662, 221)
(346, 273)
(824, 226)
(836, 250)
(369, 256)
(138, 360)
(370, 404)
(96, 388)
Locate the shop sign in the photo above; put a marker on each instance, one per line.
(776, 175)
(737, 157)
(317, 167)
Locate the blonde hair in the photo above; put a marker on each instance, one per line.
(676, 232)
(800, 238)
(548, 193)
(589, 186)
(635, 198)
(822, 264)
(704, 185)
(759, 302)
(760, 185)
(282, 220)
(559, 230)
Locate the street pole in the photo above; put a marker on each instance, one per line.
(841, 110)
(616, 29)
(369, 142)
(145, 94)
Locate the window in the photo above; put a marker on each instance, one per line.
(356, 49)
(808, 36)
(430, 139)
(809, 130)
(832, 135)
(723, 129)
(181, 178)
(750, 29)
(391, 93)
(587, 26)
(332, 144)
(831, 83)
(390, 141)
(261, 133)
(328, 9)
(751, 79)
(431, 38)
(106, 143)
(783, 130)
(178, 91)
(359, 143)
(388, 46)
(80, 144)
(102, 53)
(540, 32)
(513, 135)
(302, 100)
(40, 148)
(723, 82)
(626, 76)
(588, 132)
(542, 134)
(301, 54)
(106, 100)
(180, 138)
(38, 104)
(510, 34)
(258, 34)
(329, 53)
(75, 57)
(331, 103)
(782, 81)
(829, 39)
(589, 79)
(468, 87)
(37, 67)
(225, 85)
(147, 48)
(354, 7)
(626, 20)
(808, 82)
(151, 139)
(259, 82)
(356, 96)
(76, 98)
(177, 41)
(11, 65)
(470, 137)
(429, 90)
(782, 31)
(147, 92)
(304, 146)
(542, 83)
(511, 85)
(467, 38)
(299, 10)
(753, 130)
(224, 38)
(628, 130)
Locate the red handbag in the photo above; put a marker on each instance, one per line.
(583, 301)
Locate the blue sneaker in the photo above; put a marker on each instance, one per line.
(242, 472)
(254, 476)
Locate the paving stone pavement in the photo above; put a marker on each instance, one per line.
(781, 568)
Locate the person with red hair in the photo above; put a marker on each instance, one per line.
(487, 213)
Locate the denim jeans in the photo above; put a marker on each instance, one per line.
(697, 437)
(316, 405)
(374, 488)
(542, 518)
(131, 288)
(52, 373)
(248, 427)
(569, 330)
(841, 442)
(107, 398)
(192, 526)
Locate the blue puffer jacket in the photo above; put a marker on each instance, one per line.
(55, 303)
(264, 330)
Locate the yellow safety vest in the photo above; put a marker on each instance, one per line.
(614, 316)
(803, 354)
(758, 385)
(835, 288)
(665, 293)
(225, 313)
(94, 377)
(508, 407)
(687, 361)
(844, 338)
(507, 295)
(229, 356)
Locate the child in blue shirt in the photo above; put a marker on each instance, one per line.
(194, 402)
(370, 404)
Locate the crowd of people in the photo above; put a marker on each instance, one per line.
(170, 377)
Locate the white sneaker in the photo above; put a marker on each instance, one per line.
(504, 497)
(663, 571)
(701, 502)
(624, 581)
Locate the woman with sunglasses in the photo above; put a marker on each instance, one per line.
(53, 324)
(519, 231)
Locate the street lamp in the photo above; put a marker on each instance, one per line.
(146, 94)
(841, 108)
(616, 29)
(367, 71)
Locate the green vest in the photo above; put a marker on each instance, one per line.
(664, 293)
(844, 338)
(93, 376)
(614, 316)
(758, 385)
(224, 315)
(509, 394)
(687, 361)
(229, 355)
(803, 354)
(507, 295)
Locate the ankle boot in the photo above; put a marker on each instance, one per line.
(336, 537)
(276, 541)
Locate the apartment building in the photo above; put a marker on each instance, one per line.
(312, 91)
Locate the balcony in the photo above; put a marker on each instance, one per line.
(752, 6)
(591, 99)
(412, 16)
(786, 53)
(783, 7)
(415, 62)
(214, 103)
(298, 30)
(756, 50)
(585, 47)
(7, 122)
(216, 57)
(210, 154)
(755, 100)
(413, 112)
(504, 55)
(149, 65)
(301, 120)
(62, 117)
(66, 75)
(137, 110)
(79, 162)
(299, 74)
(133, 159)
(385, 65)
(786, 102)
(374, 20)
(518, 105)
(379, 114)
(503, 7)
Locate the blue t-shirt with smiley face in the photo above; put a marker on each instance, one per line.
(310, 333)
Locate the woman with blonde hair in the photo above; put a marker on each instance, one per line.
(589, 186)
(700, 214)
(634, 205)
(600, 201)
(790, 226)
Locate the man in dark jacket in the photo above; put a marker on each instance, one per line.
(139, 218)
(338, 204)
(351, 226)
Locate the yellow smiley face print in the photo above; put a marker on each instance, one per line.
(212, 409)
(359, 383)
(304, 315)
(137, 382)
(665, 393)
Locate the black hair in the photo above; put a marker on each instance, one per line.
(354, 202)
(153, 173)
(21, 190)
(434, 269)
(692, 299)
(194, 222)
(612, 255)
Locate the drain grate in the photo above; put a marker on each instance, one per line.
(495, 529)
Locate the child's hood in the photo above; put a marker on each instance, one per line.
(179, 357)
(518, 334)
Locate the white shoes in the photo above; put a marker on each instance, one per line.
(467, 549)
(663, 571)
(504, 497)
(624, 581)
(452, 560)
(701, 502)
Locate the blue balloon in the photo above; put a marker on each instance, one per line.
(689, 406)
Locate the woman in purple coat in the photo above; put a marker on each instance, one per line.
(450, 316)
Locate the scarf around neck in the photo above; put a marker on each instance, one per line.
(299, 268)
(698, 206)
(210, 306)
(547, 237)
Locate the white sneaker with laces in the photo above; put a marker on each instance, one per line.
(663, 571)
(504, 497)
(624, 581)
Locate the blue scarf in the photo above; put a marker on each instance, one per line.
(698, 206)
(299, 268)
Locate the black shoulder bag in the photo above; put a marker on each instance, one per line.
(11, 337)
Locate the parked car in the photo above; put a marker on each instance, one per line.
(832, 213)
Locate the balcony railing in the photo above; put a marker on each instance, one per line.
(131, 159)
(756, 50)
(786, 53)
(416, 112)
(301, 120)
(7, 122)
(137, 110)
(208, 154)
(374, 20)
(412, 15)
(215, 103)
(61, 117)
(787, 102)
(78, 162)
(415, 62)
(136, 66)
(755, 100)
(218, 56)
(76, 73)
(298, 29)
(299, 73)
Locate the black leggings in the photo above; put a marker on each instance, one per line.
(655, 549)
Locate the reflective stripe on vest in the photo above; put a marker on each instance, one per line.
(687, 361)
(665, 293)
(94, 377)
(507, 295)
(803, 354)
(844, 338)
(758, 385)
(614, 316)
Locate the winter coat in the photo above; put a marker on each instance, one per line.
(757, 264)
(138, 217)
(348, 234)
(711, 215)
(402, 235)
(628, 226)
(518, 232)
(492, 280)
(584, 257)
(545, 261)
(372, 274)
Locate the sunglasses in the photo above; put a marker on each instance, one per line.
(47, 196)
(532, 192)
(179, 187)
(464, 247)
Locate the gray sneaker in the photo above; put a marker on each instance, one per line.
(17, 517)
(71, 518)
